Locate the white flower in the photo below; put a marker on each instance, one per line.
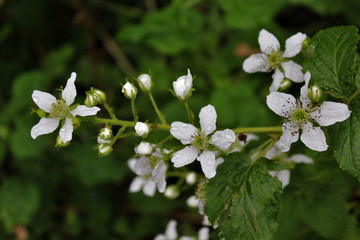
(144, 148)
(59, 110)
(145, 82)
(272, 58)
(199, 142)
(182, 86)
(129, 90)
(305, 115)
(142, 129)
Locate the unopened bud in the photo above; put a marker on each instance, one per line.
(315, 93)
(193, 201)
(104, 149)
(94, 97)
(129, 91)
(106, 133)
(144, 148)
(142, 129)
(182, 86)
(99, 95)
(190, 178)
(145, 82)
(172, 192)
(60, 143)
(285, 85)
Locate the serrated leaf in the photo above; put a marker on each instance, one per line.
(332, 65)
(345, 140)
(244, 199)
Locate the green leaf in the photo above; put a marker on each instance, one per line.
(345, 140)
(332, 65)
(18, 202)
(243, 198)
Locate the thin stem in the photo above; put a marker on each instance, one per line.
(264, 151)
(257, 129)
(349, 99)
(118, 134)
(110, 111)
(133, 109)
(261, 147)
(189, 112)
(167, 139)
(160, 115)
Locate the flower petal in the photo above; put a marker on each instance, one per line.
(66, 131)
(278, 77)
(313, 137)
(208, 164)
(204, 233)
(142, 166)
(293, 45)
(149, 188)
(223, 139)
(300, 158)
(160, 237)
(43, 100)
(208, 117)
(330, 112)
(170, 231)
(69, 92)
(183, 131)
(184, 156)
(275, 151)
(158, 176)
(290, 135)
(283, 176)
(304, 91)
(293, 71)
(83, 111)
(44, 126)
(268, 42)
(131, 164)
(257, 62)
(136, 184)
(282, 104)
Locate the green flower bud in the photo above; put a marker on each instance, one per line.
(90, 100)
(105, 135)
(145, 82)
(94, 97)
(129, 90)
(104, 149)
(315, 93)
(285, 85)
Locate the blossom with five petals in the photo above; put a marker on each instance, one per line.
(59, 111)
(272, 58)
(199, 142)
(305, 115)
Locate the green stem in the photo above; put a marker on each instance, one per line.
(110, 111)
(118, 134)
(349, 99)
(257, 129)
(133, 109)
(167, 139)
(160, 115)
(264, 151)
(189, 112)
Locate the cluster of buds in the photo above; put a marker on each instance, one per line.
(104, 141)
(94, 97)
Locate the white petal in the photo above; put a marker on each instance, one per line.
(257, 62)
(184, 156)
(301, 158)
(330, 112)
(219, 161)
(171, 232)
(204, 233)
(313, 137)
(44, 126)
(142, 166)
(208, 165)
(268, 42)
(131, 163)
(83, 111)
(304, 91)
(293, 45)
(187, 238)
(69, 92)
(183, 131)
(223, 139)
(293, 71)
(275, 151)
(208, 117)
(282, 104)
(66, 131)
(158, 176)
(160, 237)
(137, 184)
(278, 77)
(149, 188)
(290, 134)
(43, 100)
(283, 176)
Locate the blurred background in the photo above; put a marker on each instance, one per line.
(70, 193)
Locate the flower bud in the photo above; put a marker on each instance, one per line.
(94, 97)
(182, 86)
(60, 143)
(144, 148)
(104, 149)
(145, 82)
(315, 93)
(192, 201)
(142, 129)
(190, 178)
(105, 135)
(129, 91)
(90, 100)
(172, 192)
(285, 85)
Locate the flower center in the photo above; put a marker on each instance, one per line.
(59, 110)
(153, 161)
(300, 116)
(200, 141)
(275, 59)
